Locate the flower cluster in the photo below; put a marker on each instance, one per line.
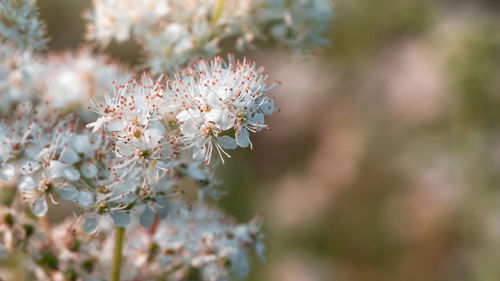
(150, 133)
(49, 157)
(200, 242)
(19, 24)
(117, 159)
(57, 82)
(176, 31)
(196, 243)
(196, 109)
(300, 25)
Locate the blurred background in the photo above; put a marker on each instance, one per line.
(384, 162)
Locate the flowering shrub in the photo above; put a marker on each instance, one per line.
(118, 156)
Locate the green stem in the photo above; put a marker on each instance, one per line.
(216, 12)
(117, 254)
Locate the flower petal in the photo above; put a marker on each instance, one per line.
(7, 171)
(124, 149)
(70, 173)
(147, 217)
(90, 225)
(68, 192)
(97, 124)
(120, 218)
(227, 142)
(84, 199)
(81, 144)
(89, 170)
(242, 137)
(268, 106)
(27, 167)
(26, 184)
(69, 156)
(39, 207)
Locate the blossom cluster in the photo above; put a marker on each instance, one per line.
(176, 31)
(200, 242)
(196, 243)
(140, 144)
(20, 25)
(118, 148)
(209, 106)
(56, 82)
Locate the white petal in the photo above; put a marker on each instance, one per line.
(120, 218)
(39, 207)
(26, 184)
(97, 124)
(124, 149)
(195, 172)
(198, 154)
(69, 156)
(115, 126)
(44, 153)
(242, 137)
(227, 121)
(56, 169)
(268, 106)
(239, 262)
(189, 129)
(154, 134)
(125, 186)
(27, 167)
(70, 173)
(7, 171)
(213, 115)
(67, 192)
(163, 185)
(184, 116)
(90, 225)
(258, 118)
(227, 142)
(213, 99)
(84, 199)
(162, 207)
(260, 249)
(147, 217)
(223, 119)
(81, 144)
(89, 170)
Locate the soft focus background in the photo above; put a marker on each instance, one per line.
(384, 162)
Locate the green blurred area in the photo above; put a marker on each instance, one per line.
(383, 163)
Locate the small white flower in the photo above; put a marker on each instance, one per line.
(218, 97)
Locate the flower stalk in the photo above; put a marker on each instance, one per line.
(217, 11)
(117, 254)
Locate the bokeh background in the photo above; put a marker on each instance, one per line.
(384, 162)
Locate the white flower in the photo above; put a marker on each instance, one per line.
(202, 239)
(298, 24)
(117, 19)
(218, 97)
(176, 31)
(69, 80)
(130, 107)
